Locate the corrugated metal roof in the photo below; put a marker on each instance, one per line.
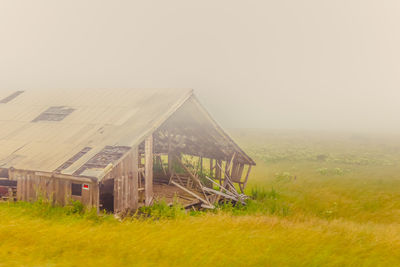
(100, 118)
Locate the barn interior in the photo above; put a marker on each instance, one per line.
(192, 157)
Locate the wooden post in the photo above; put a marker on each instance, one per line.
(148, 148)
(117, 189)
(97, 198)
(134, 200)
(124, 180)
(170, 156)
(170, 163)
(116, 194)
(235, 172)
(240, 171)
(201, 164)
(227, 168)
(211, 167)
(243, 184)
(218, 171)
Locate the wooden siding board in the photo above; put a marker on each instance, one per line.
(149, 170)
(31, 187)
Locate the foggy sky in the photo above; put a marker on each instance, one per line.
(295, 64)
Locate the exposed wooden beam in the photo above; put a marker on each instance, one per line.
(66, 177)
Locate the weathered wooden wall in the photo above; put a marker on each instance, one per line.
(125, 176)
(148, 170)
(126, 182)
(34, 185)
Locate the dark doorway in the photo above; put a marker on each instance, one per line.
(107, 195)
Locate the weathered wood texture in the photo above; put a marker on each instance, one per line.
(125, 176)
(101, 118)
(33, 185)
(192, 131)
(148, 170)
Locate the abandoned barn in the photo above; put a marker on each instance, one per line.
(117, 149)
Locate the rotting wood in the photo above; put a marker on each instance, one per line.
(211, 166)
(149, 170)
(66, 177)
(126, 177)
(191, 193)
(221, 188)
(231, 162)
(227, 181)
(194, 177)
(107, 155)
(218, 172)
(205, 206)
(134, 179)
(243, 184)
(211, 196)
(219, 193)
(240, 172)
(179, 179)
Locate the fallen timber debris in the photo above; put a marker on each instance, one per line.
(208, 196)
(190, 192)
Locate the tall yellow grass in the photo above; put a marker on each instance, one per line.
(346, 217)
(218, 240)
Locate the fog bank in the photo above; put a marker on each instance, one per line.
(311, 64)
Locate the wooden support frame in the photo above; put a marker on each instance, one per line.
(195, 179)
(227, 180)
(211, 167)
(220, 187)
(218, 172)
(242, 185)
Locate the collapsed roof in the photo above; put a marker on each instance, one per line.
(81, 133)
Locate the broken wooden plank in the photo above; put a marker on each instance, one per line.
(221, 188)
(192, 204)
(193, 177)
(190, 193)
(228, 182)
(205, 206)
(220, 193)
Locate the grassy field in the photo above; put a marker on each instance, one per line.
(319, 199)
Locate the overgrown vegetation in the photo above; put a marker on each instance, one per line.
(46, 210)
(315, 200)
